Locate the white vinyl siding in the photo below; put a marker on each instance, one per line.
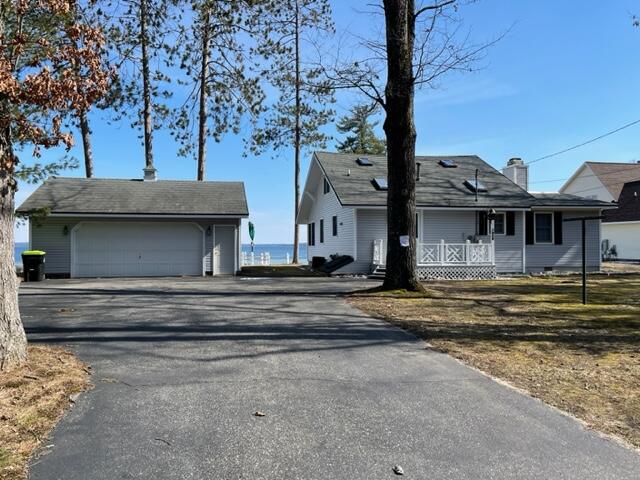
(325, 207)
(568, 256)
(625, 236)
(586, 184)
(371, 225)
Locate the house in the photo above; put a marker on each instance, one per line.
(94, 227)
(621, 227)
(344, 208)
(612, 182)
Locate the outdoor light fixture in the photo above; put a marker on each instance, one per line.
(65, 230)
(209, 231)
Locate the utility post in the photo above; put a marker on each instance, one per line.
(583, 221)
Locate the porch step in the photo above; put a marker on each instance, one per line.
(379, 272)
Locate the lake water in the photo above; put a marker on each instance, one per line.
(278, 251)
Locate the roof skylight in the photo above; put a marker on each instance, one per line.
(471, 185)
(380, 183)
(447, 163)
(364, 162)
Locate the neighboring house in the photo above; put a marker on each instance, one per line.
(608, 181)
(344, 207)
(621, 227)
(119, 228)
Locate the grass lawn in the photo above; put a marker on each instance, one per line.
(535, 334)
(33, 398)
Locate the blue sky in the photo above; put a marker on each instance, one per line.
(566, 72)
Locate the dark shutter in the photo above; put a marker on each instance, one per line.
(482, 223)
(528, 227)
(321, 230)
(335, 225)
(557, 228)
(312, 236)
(511, 223)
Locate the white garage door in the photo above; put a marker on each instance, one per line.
(132, 249)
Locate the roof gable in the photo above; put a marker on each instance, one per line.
(614, 175)
(137, 197)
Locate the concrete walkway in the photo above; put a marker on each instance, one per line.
(181, 365)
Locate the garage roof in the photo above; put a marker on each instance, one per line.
(138, 197)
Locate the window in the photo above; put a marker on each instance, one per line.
(544, 227)
(322, 230)
(311, 234)
(380, 183)
(364, 162)
(326, 187)
(499, 227)
(334, 225)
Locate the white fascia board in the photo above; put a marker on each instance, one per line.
(137, 215)
(629, 222)
(418, 207)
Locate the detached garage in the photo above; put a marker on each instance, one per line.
(136, 228)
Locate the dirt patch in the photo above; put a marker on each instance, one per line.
(535, 334)
(280, 271)
(621, 267)
(33, 398)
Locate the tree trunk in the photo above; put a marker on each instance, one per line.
(85, 131)
(13, 341)
(298, 128)
(202, 114)
(401, 145)
(146, 87)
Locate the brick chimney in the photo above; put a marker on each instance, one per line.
(518, 172)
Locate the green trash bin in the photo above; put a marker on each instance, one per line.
(33, 265)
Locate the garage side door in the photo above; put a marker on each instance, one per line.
(132, 249)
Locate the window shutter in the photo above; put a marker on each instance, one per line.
(557, 228)
(511, 223)
(482, 223)
(529, 228)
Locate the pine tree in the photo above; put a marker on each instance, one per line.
(362, 137)
(302, 107)
(221, 89)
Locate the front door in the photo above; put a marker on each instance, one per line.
(224, 250)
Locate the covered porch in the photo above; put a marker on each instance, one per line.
(445, 261)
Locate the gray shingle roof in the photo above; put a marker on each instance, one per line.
(438, 186)
(136, 197)
(567, 200)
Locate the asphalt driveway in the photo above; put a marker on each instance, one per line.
(181, 365)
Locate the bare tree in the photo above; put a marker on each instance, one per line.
(424, 41)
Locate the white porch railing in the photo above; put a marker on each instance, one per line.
(443, 254)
